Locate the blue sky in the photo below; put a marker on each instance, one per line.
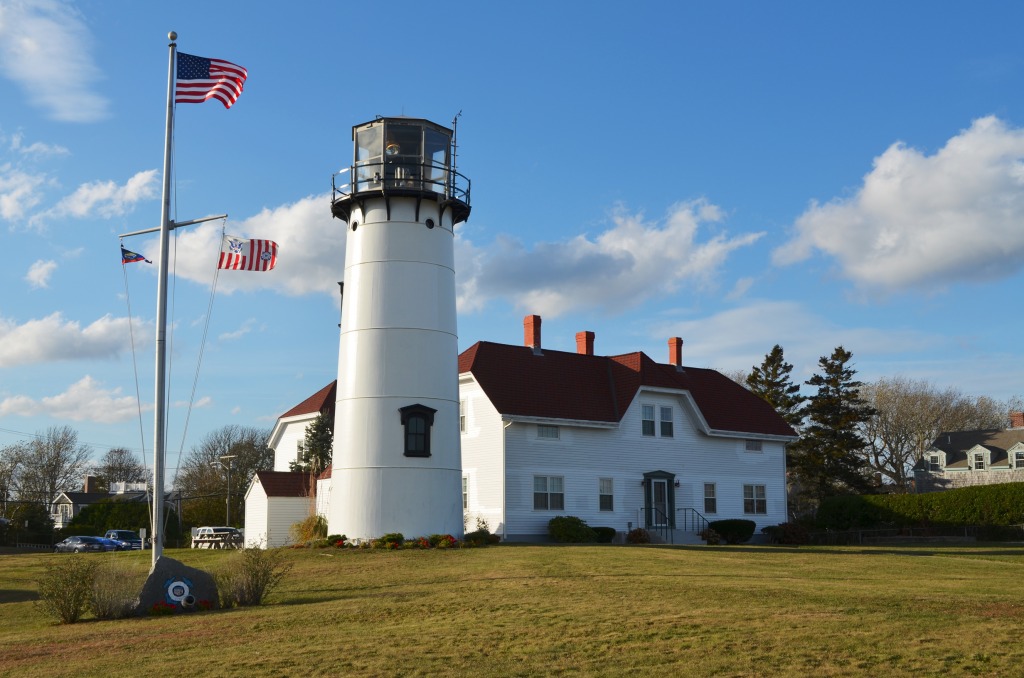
(739, 174)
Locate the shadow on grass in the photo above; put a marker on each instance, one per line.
(8, 596)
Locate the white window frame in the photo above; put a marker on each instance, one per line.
(300, 447)
(647, 420)
(934, 465)
(465, 493)
(978, 463)
(713, 498)
(753, 446)
(757, 495)
(1019, 459)
(548, 432)
(665, 431)
(462, 416)
(546, 486)
(605, 490)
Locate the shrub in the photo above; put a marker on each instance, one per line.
(734, 530)
(442, 541)
(250, 576)
(980, 505)
(309, 529)
(638, 536)
(787, 533)
(390, 538)
(115, 587)
(605, 535)
(710, 537)
(65, 589)
(477, 538)
(570, 530)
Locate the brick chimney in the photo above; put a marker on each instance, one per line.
(531, 332)
(675, 352)
(1016, 419)
(90, 485)
(585, 343)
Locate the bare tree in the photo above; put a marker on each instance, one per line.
(910, 414)
(120, 465)
(203, 478)
(40, 468)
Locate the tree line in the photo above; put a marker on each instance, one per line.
(862, 438)
(34, 472)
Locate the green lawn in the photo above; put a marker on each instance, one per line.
(550, 610)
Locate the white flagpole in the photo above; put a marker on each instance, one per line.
(160, 401)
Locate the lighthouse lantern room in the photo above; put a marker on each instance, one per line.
(397, 463)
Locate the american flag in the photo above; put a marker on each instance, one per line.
(239, 254)
(200, 79)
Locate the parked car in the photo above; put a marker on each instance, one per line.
(79, 545)
(216, 538)
(127, 537)
(113, 544)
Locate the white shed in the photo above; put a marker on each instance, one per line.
(274, 502)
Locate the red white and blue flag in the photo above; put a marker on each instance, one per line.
(129, 257)
(200, 79)
(239, 254)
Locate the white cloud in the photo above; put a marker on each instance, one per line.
(84, 400)
(39, 273)
(104, 198)
(46, 48)
(53, 339)
(310, 258)
(245, 329)
(739, 338)
(924, 220)
(619, 268)
(36, 149)
(19, 192)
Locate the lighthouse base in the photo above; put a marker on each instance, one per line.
(367, 503)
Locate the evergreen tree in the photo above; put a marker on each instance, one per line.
(317, 446)
(827, 459)
(771, 381)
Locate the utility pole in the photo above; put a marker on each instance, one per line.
(227, 466)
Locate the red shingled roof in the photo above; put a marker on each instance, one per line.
(284, 483)
(321, 401)
(561, 385)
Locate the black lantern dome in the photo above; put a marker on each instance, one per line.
(408, 157)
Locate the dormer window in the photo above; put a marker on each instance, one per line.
(417, 420)
(933, 463)
(1019, 457)
(979, 461)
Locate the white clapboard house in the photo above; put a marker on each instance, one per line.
(619, 441)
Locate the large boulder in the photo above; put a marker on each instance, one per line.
(173, 583)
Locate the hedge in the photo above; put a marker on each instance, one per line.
(733, 530)
(570, 530)
(995, 505)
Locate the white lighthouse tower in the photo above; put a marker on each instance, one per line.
(397, 464)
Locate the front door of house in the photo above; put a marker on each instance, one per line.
(659, 502)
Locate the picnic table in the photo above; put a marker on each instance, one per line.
(229, 540)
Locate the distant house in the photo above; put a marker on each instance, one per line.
(274, 502)
(620, 441)
(965, 458)
(67, 505)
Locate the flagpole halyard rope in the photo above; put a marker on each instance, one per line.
(135, 371)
